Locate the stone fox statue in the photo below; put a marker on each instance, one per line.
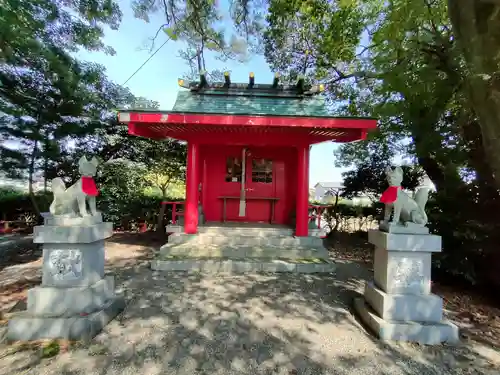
(401, 205)
(73, 200)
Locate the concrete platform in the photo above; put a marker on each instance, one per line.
(254, 228)
(237, 266)
(423, 333)
(235, 251)
(27, 327)
(235, 237)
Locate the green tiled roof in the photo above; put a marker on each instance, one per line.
(313, 106)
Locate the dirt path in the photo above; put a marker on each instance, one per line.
(177, 323)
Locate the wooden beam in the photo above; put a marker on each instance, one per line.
(257, 89)
(251, 80)
(300, 84)
(203, 79)
(227, 79)
(276, 80)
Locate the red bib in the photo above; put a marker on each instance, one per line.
(390, 194)
(89, 187)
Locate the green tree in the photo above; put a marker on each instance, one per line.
(201, 24)
(46, 95)
(476, 28)
(368, 177)
(412, 77)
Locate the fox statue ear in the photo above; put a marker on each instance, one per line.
(94, 161)
(82, 161)
(399, 170)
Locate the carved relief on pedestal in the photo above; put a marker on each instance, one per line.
(409, 273)
(65, 264)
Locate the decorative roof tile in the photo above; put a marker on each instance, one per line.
(312, 106)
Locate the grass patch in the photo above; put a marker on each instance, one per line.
(44, 348)
(51, 349)
(173, 257)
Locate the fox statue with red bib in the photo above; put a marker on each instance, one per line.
(73, 200)
(405, 210)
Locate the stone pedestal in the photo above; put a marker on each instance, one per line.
(76, 299)
(398, 304)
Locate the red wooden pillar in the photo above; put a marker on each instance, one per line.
(192, 181)
(302, 214)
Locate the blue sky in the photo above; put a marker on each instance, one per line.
(157, 80)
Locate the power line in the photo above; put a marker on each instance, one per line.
(145, 62)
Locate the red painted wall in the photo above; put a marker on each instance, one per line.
(283, 186)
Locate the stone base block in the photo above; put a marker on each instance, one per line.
(64, 301)
(318, 232)
(27, 327)
(49, 234)
(71, 220)
(402, 272)
(422, 333)
(405, 242)
(407, 228)
(404, 307)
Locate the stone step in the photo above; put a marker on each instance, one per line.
(254, 231)
(232, 239)
(233, 230)
(211, 250)
(260, 232)
(254, 265)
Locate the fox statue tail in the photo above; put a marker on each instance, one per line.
(58, 186)
(421, 198)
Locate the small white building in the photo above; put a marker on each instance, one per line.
(324, 191)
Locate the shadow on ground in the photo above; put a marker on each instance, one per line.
(181, 323)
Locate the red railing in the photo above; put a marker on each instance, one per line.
(175, 213)
(317, 213)
(12, 226)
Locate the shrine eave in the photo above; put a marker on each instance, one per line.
(185, 126)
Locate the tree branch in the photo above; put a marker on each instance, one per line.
(342, 76)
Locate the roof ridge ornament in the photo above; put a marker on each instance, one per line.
(228, 88)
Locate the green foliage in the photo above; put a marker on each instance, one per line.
(26, 25)
(475, 26)
(311, 35)
(200, 24)
(51, 349)
(47, 96)
(17, 205)
(369, 177)
(122, 186)
(408, 73)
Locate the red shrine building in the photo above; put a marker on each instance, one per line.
(247, 147)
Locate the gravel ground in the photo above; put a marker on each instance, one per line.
(187, 324)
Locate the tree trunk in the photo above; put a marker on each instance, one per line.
(45, 172)
(471, 133)
(159, 226)
(31, 171)
(475, 24)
